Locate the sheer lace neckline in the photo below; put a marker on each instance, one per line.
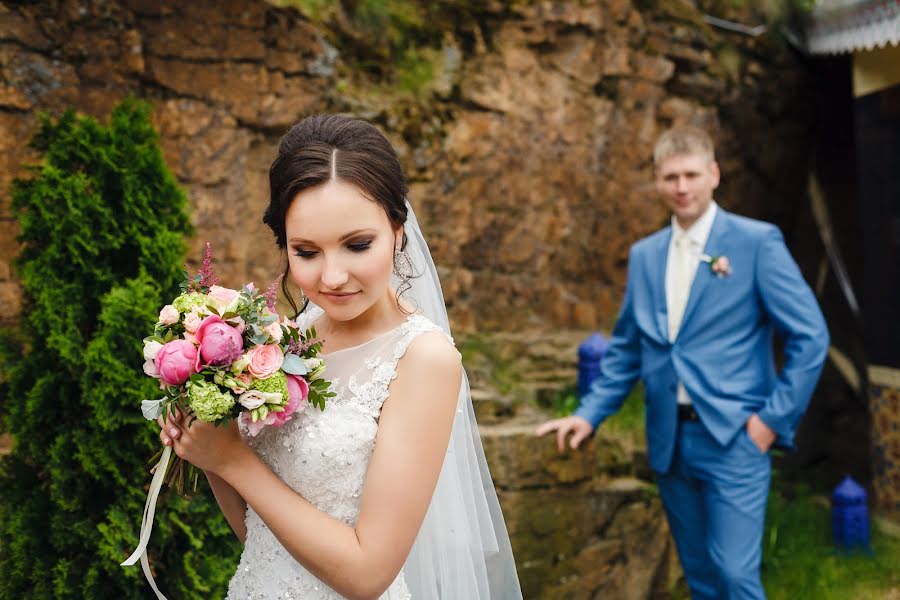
(370, 340)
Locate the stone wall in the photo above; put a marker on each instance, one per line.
(584, 524)
(528, 152)
(884, 406)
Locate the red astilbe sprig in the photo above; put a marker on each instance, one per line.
(300, 348)
(207, 278)
(272, 293)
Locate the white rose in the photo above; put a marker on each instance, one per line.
(313, 363)
(150, 368)
(151, 349)
(316, 368)
(274, 330)
(252, 399)
(169, 315)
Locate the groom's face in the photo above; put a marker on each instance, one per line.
(686, 183)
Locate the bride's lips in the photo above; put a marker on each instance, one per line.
(339, 297)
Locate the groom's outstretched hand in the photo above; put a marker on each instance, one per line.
(578, 427)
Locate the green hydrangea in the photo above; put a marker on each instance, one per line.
(208, 401)
(186, 302)
(273, 383)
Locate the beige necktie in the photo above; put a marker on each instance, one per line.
(681, 281)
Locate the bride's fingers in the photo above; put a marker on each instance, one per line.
(169, 429)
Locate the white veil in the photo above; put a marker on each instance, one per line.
(462, 551)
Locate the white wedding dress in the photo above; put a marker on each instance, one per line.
(324, 456)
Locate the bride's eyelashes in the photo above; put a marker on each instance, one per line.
(359, 246)
(355, 246)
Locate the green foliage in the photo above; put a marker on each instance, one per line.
(102, 224)
(799, 559)
(391, 39)
(629, 419)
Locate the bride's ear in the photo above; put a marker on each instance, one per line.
(399, 239)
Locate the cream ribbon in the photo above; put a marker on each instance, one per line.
(140, 553)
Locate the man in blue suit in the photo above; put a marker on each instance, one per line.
(703, 301)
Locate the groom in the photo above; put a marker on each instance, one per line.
(704, 299)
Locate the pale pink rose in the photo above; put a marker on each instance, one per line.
(288, 323)
(176, 361)
(168, 315)
(192, 321)
(264, 360)
(255, 428)
(274, 330)
(223, 296)
(190, 337)
(220, 343)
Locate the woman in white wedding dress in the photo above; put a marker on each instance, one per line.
(385, 493)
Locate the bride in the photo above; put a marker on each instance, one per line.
(386, 493)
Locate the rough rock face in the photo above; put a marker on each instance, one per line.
(529, 153)
(582, 525)
(529, 156)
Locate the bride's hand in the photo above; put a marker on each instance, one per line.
(204, 445)
(170, 427)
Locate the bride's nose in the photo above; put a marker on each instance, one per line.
(334, 274)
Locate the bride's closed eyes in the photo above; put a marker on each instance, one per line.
(355, 246)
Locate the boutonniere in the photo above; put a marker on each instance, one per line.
(718, 265)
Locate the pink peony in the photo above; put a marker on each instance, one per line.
(223, 296)
(298, 391)
(264, 360)
(168, 315)
(255, 428)
(238, 323)
(220, 343)
(176, 361)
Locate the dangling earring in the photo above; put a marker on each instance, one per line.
(303, 298)
(402, 265)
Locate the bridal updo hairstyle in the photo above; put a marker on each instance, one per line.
(364, 158)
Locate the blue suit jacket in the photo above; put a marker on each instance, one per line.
(723, 353)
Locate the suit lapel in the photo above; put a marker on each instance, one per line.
(715, 246)
(659, 260)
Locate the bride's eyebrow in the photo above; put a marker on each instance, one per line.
(346, 236)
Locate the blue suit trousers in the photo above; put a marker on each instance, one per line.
(715, 502)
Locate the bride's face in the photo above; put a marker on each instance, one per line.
(340, 249)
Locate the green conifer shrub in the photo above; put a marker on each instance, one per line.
(103, 224)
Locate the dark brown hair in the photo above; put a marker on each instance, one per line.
(321, 148)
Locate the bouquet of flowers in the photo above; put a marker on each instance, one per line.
(221, 354)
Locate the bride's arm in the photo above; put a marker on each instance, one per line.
(413, 434)
(231, 503)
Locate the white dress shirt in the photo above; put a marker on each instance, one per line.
(678, 291)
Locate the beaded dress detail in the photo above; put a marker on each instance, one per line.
(324, 456)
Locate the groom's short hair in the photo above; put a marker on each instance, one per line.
(683, 140)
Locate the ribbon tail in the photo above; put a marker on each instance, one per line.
(145, 567)
(140, 553)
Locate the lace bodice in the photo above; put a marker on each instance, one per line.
(324, 456)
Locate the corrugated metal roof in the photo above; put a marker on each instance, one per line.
(839, 26)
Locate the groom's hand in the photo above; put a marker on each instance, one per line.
(760, 433)
(578, 427)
